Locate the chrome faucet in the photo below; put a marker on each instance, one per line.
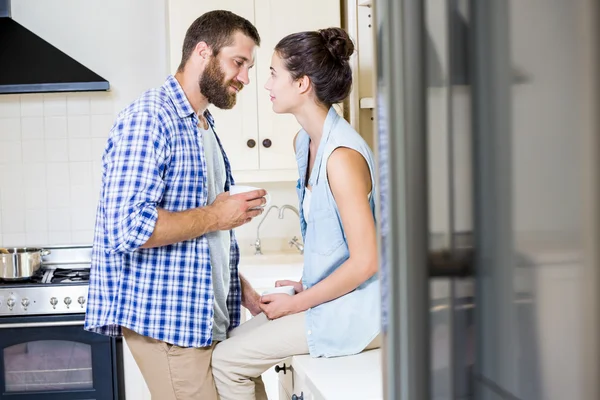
(257, 247)
(288, 207)
(294, 242)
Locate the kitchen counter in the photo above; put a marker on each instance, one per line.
(357, 377)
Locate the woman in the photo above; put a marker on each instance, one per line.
(336, 309)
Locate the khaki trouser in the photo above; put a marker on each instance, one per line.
(254, 347)
(172, 372)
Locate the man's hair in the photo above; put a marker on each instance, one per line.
(216, 29)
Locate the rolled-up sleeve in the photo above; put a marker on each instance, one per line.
(132, 185)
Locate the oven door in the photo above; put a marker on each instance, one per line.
(54, 358)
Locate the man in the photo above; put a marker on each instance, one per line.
(164, 264)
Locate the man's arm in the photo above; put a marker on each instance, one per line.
(225, 213)
(250, 298)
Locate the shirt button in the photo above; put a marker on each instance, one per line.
(309, 332)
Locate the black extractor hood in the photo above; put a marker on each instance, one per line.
(29, 64)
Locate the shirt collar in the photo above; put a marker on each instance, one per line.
(176, 93)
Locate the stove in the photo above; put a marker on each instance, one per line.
(60, 286)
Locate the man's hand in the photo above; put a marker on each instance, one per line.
(231, 211)
(297, 285)
(251, 300)
(278, 305)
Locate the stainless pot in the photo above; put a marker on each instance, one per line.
(21, 262)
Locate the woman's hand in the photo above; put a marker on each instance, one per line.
(297, 285)
(278, 305)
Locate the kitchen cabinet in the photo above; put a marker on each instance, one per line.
(257, 141)
(356, 377)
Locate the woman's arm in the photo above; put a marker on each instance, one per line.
(350, 181)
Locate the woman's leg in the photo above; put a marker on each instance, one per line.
(242, 358)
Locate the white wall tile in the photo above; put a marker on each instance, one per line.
(83, 237)
(78, 104)
(34, 151)
(10, 106)
(101, 103)
(36, 220)
(57, 175)
(35, 198)
(82, 219)
(14, 239)
(11, 175)
(98, 146)
(101, 125)
(32, 105)
(55, 105)
(55, 127)
(81, 173)
(32, 128)
(59, 237)
(10, 129)
(13, 221)
(80, 150)
(36, 239)
(59, 197)
(34, 175)
(83, 195)
(12, 198)
(79, 126)
(59, 219)
(96, 173)
(57, 150)
(11, 153)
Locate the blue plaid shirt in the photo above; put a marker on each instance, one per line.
(155, 158)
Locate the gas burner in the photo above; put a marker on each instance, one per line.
(64, 275)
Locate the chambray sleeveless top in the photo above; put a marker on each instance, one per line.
(349, 323)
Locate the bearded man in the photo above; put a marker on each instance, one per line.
(164, 270)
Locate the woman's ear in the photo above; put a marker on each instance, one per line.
(304, 84)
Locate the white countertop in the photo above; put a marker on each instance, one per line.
(263, 270)
(357, 377)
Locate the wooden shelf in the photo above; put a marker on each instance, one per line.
(365, 3)
(367, 102)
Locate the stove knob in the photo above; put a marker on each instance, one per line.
(54, 302)
(10, 303)
(81, 301)
(25, 302)
(68, 301)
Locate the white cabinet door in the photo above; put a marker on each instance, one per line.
(274, 20)
(238, 125)
(135, 385)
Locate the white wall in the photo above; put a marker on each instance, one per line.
(52, 143)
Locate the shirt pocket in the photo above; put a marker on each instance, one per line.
(323, 233)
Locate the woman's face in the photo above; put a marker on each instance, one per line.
(284, 92)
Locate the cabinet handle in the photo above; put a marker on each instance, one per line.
(251, 143)
(278, 369)
(267, 143)
(294, 397)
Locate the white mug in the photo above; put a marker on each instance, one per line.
(236, 189)
(281, 289)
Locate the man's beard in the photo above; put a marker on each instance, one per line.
(215, 89)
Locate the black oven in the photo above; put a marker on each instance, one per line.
(51, 357)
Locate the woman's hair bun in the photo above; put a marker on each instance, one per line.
(338, 43)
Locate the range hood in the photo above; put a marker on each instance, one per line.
(29, 64)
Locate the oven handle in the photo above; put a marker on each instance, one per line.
(41, 324)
